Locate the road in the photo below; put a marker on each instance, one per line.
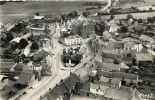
(57, 73)
(109, 4)
(47, 82)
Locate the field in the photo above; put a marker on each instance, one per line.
(12, 11)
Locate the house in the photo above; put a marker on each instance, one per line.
(104, 79)
(128, 60)
(113, 45)
(98, 89)
(46, 42)
(106, 35)
(112, 83)
(117, 45)
(116, 83)
(65, 86)
(145, 93)
(88, 28)
(37, 69)
(82, 25)
(39, 55)
(130, 39)
(127, 77)
(112, 67)
(38, 31)
(123, 93)
(26, 74)
(144, 59)
(113, 26)
(6, 64)
(38, 26)
(138, 48)
(25, 78)
(107, 60)
(146, 38)
(109, 53)
(123, 66)
(105, 90)
(151, 45)
(132, 46)
(146, 8)
(109, 67)
(72, 40)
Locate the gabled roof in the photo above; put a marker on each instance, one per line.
(119, 75)
(118, 94)
(115, 81)
(146, 38)
(65, 86)
(111, 67)
(98, 86)
(26, 73)
(25, 78)
(71, 81)
(144, 90)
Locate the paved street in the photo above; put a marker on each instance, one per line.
(57, 74)
(47, 82)
(10, 12)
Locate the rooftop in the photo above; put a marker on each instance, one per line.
(109, 67)
(118, 94)
(144, 57)
(146, 38)
(63, 87)
(119, 75)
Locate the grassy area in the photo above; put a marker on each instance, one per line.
(130, 3)
(13, 11)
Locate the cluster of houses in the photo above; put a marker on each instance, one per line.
(125, 68)
(23, 57)
(126, 49)
(127, 61)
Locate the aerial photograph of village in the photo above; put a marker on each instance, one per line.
(77, 50)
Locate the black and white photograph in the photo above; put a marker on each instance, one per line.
(77, 49)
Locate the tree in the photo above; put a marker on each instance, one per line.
(34, 45)
(150, 20)
(99, 28)
(129, 16)
(76, 58)
(86, 13)
(150, 9)
(94, 45)
(37, 14)
(37, 57)
(123, 29)
(22, 44)
(77, 87)
(116, 61)
(140, 20)
(73, 14)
